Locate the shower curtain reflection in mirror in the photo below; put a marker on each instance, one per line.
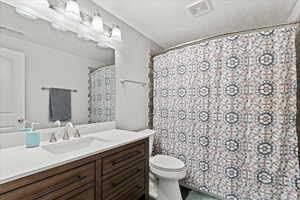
(102, 95)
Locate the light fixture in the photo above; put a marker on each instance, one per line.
(116, 33)
(85, 34)
(26, 12)
(72, 10)
(107, 33)
(58, 6)
(97, 23)
(45, 3)
(86, 27)
(85, 19)
(41, 3)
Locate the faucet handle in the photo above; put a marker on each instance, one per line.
(53, 138)
(66, 134)
(77, 133)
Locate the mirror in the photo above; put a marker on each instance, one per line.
(48, 74)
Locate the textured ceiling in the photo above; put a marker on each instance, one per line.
(168, 23)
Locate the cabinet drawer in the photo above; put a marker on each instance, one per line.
(54, 186)
(122, 158)
(132, 192)
(130, 180)
(86, 192)
(82, 193)
(86, 195)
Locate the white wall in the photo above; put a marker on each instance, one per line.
(131, 63)
(52, 68)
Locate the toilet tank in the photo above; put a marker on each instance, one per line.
(151, 139)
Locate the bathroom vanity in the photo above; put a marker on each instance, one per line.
(117, 170)
(53, 71)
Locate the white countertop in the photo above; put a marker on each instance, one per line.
(19, 162)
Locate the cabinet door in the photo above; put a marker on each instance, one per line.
(128, 184)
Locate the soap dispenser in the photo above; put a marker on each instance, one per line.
(23, 125)
(33, 137)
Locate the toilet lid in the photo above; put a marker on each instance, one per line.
(166, 163)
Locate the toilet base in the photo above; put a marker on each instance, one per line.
(168, 190)
(152, 186)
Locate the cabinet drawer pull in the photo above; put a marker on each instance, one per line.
(69, 182)
(135, 153)
(126, 177)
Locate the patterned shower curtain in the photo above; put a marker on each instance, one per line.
(227, 108)
(102, 94)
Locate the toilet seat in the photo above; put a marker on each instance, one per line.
(166, 163)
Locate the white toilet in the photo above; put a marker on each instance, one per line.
(165, 172)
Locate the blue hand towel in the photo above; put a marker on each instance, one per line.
(60, 104)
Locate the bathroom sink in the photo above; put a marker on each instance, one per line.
(74, 145)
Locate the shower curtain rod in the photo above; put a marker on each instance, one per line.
(222, 35)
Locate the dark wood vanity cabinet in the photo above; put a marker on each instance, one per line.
(118, 174)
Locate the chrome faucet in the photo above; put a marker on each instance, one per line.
(69, 126)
